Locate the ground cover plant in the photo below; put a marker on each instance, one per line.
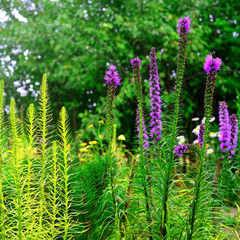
(52, 187)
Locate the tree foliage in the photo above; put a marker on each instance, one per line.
(74, 41)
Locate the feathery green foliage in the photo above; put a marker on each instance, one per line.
(65, 148)
(2, 205)
(43, 123)
(16, 162)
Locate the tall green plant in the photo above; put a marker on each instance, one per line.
(142, 130)
(183, 29)
(65, 148)
(31, 129)
(16, 169)
(211, 67)
(2, 205)
(44, 119)
(55, 191)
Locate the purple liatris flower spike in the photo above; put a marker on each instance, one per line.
(201, 134)
(184, 25)
(155, 99)
(225, 130)
(145, 135)
(234, 133)
(212, 65)
(112, 77)
(180, 149)
(183, 29)
(135, 62)
(112, 80)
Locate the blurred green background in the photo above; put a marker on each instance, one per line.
(74, 42)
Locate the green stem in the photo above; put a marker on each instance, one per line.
(2, 205)
(16, 168)
(54, 205)
(210, 85)
(142, 159)
(31, 130)
(168, 176)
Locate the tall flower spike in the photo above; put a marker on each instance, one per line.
(136, 62)
(211, 66)
(136, 73)
(145, 135)
(112, 80)
(225, 129)
(112, 76)
(184, 25)
(234, 133)
(201, 134)
(155, 99)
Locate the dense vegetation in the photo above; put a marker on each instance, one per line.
(162, 184)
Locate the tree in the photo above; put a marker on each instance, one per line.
(74, 41)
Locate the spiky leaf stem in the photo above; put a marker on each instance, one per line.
(44, 120)
(182, 47)
(16, 167)
(137, 79)
(211, 66)
(31, 131)
(110, 98)
(54, 197)
(64, 135)
(2, 206)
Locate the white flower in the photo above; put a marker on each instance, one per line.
(181, 141)
(195, 119)
(196, 130)
(212, 119)
(210, 151)
(180, 137)
(196, 141)
(213, 134)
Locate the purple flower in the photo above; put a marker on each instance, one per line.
(145, 135)
(155, 100)
(135, 61)
(234, 133)
(180, 149)
(201, 134)
(184, 25)
(212, 65)
(225, 129)
(112, 76)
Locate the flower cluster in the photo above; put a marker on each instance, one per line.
(155, 100)
(180, 149)
(112, 80)
(225, 131)
(135, 62)
(212, 65)
(234, 133)
(201, 134)
(184, 25)
(112, 76)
